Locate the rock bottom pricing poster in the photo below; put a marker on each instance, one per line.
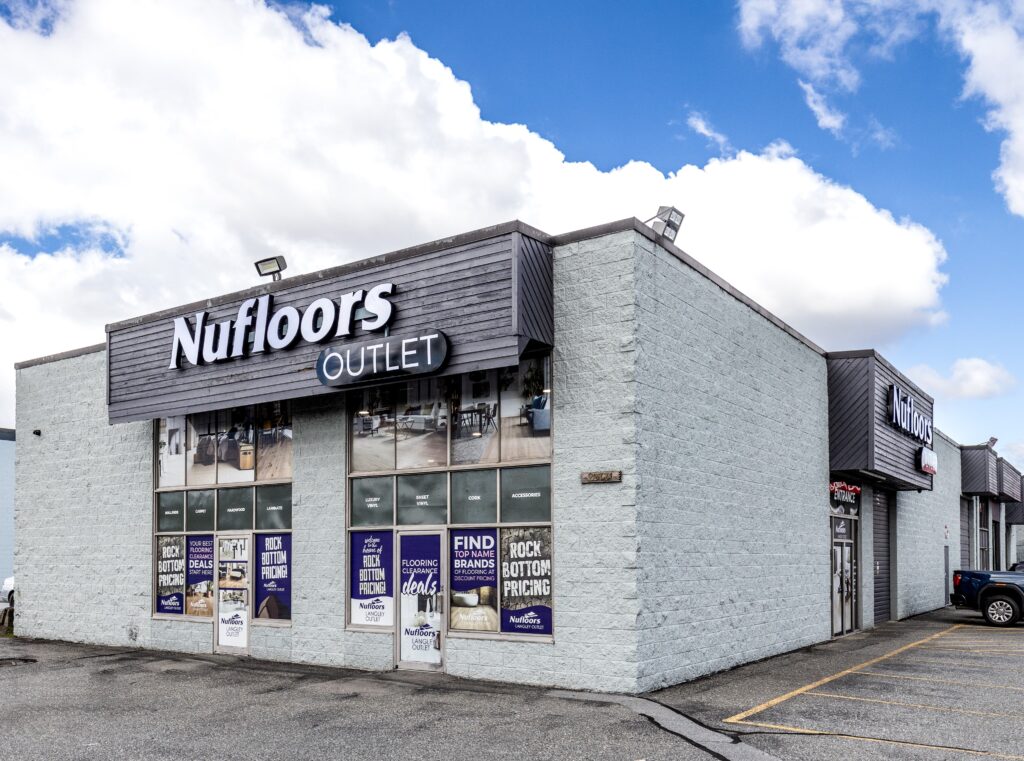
(199, 577)
(170, 574)
(473, 569)
(371, 569)
(233, 618)
(420, 578)
(273, 576)
(526, 580)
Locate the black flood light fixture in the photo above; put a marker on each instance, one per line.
(273, 266)
(666, 222)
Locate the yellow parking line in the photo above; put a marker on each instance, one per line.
(950, 663)
(923, 706)
(941, 681)
(813, 685)
(975, 650)
(882, 741)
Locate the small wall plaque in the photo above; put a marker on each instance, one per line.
(601, 477)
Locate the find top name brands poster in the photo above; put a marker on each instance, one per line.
(474, 580)
(199, 577)
(273, 576)
(526, 580)
(170, 574)
(371, 571)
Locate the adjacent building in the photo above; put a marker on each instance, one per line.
(581, 460)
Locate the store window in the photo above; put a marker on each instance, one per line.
(414, 463)
(231, 510)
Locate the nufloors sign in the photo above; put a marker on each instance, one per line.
(259, 328)
(905, 415)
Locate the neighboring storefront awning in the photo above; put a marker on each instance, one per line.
(979, 467)
(473, 302)
(1009, 481)
(880, 423)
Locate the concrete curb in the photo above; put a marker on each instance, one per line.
(716, 743)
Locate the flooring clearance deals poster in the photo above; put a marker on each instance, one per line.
(371, 571)
(199, 577)
(420, 622)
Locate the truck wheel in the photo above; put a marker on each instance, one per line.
(1001, 611)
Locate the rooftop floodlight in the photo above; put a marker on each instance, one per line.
(273, 266)
(666, 222)
(992, 441)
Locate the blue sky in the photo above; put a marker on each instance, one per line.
(581, 74)
(844, 177)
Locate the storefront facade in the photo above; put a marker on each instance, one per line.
(579, 460)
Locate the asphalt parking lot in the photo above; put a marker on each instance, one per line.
(940, 687)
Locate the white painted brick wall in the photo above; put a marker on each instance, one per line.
(921, 523)
(595, 541)
(83, 511)
(733, 479)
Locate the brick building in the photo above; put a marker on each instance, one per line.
(579, 460)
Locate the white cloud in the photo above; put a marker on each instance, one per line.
(819, 39)
(828, 118)
(969, 378)
(700, 124)
(206, 134)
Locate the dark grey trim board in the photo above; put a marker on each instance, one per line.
(7, 434)
(58, 357)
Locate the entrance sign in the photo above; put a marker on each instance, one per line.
(418, 353)
(420, 578)
(372, 592)
(200, 342)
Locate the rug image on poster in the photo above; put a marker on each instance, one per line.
(199, 577)
(420, 579)
(473, 565)
(526, 580)
(273, 576)
(371, 570)
(233, 618)
(170, 574)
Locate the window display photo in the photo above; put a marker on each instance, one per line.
(171, 454)
(236, 446)
(526, 410)
(201, 449)
(273, 441)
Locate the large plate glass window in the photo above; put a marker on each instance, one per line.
(201, 451)
(273, 507)
(526, 494)
(170, 511)
(423, 499)
(421, 425)
(373, 430)
(474, 418)
(234, 509)
(273, 441)
(236, 446)
(526, 411)
(200, 510)
(171, 454)
(475, 496)
(372, 501)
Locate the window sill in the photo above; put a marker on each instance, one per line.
(174, 617)
(538, 639)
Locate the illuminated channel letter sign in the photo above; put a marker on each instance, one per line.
(904, 414)
(259, 327)
(396, 356)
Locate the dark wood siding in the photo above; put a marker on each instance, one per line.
(469, 291)
(535, 294)
(860, 436)
(849, 413)
(880, 524)
(979, 471)
(1009, 481)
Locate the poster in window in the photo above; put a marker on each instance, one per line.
(474, 580)
(233, 618)
(170, 574)
(420, 578)
(273, 576)
(199, 577)
(372, 593)
(526, 580)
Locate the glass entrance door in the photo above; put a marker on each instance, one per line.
(421, 619)
(233, 590)
(844, 576)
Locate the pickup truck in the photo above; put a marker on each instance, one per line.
(999, 595)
